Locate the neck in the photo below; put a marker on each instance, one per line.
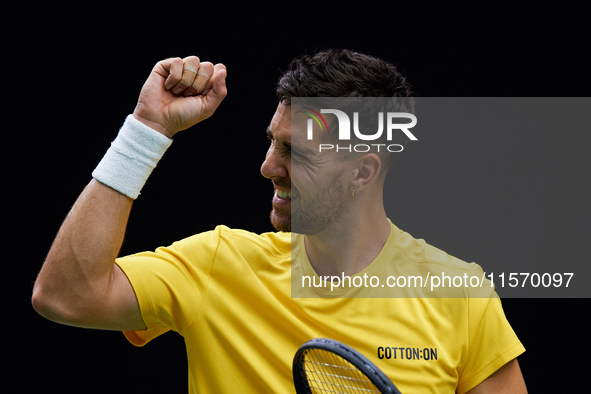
(351, 244)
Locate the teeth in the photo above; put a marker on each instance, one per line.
(283, 194)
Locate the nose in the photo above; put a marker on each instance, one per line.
(274, 166)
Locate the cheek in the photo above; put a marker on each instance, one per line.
(301, 175)
(309, 181)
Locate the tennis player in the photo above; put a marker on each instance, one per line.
(228, 291)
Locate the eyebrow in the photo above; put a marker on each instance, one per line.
(287, 144)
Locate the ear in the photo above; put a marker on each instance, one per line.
(366, 171)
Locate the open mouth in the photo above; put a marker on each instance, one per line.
(283, 194)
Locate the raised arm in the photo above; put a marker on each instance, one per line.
(79, 283)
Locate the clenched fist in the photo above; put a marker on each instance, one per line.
(180, 93)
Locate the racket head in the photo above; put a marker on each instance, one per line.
(324, 365)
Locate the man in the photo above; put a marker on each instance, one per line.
(227, 292)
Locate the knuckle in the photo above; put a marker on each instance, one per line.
(192, 59)
(207, 66)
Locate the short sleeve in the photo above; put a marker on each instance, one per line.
(170, 284)
(492, 342)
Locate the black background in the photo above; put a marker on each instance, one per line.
(72, 73)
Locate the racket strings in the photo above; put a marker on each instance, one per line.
(328, 373)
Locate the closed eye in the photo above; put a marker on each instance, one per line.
(283, 145)
(298, 155)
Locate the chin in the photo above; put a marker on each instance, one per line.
(281, 223)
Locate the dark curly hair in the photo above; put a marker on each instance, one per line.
(341, 73)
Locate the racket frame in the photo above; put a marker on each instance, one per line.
(358, 360)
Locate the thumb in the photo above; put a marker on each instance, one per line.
(218, 90)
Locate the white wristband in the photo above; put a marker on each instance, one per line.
(131, 158)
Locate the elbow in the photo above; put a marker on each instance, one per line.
(50, 307)
(41, 303)
(65, 307)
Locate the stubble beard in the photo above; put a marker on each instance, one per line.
(319, 212)
(280, 219)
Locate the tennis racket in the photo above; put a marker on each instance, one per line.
(327, 366)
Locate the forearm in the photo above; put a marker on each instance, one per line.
(80, 262)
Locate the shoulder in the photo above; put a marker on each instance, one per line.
(447, 274)
(227, 242)
(225, 234)
(222, 241)
(273, 242)
(418, 250)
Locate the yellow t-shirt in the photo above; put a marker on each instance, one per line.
(228, 293)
